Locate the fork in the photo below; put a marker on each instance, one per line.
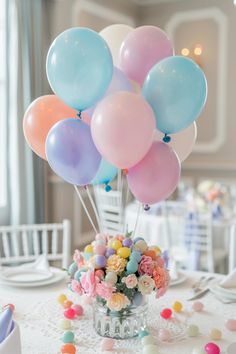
(202, 283)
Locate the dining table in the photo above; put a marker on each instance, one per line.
(38, 315)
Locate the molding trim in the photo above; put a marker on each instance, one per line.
(101, 11)
(219, 17)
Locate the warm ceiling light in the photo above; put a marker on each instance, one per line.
(198, 50)
(185, 52)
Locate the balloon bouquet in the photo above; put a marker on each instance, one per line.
(137, 116)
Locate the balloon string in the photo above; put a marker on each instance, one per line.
(94, 208)
(137, 219)
(126, 199)
(79, 114)
(85, 208)
(121, 200)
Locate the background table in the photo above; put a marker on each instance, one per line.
(38, 315)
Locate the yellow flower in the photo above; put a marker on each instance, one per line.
(116, 264)
(118, 302)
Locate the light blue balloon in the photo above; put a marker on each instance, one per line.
(79, 67)
(105, 174)
(176, 89)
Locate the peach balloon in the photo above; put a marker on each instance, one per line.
(39, 118)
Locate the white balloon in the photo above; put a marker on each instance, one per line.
(114, 36)
(182, 142)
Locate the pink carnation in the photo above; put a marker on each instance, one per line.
(160, 262)
(105, 290)
(76, 287)
(146, 265)
(161, 277)
(89, 282)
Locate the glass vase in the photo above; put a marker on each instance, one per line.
(120, 324)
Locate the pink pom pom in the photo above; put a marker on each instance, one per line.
(107, 344)
(70, 313)
(79, 311)
(198, 306)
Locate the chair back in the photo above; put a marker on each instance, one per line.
(24, 243)
(110, 210)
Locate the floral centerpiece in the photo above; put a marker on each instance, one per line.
(118, 273)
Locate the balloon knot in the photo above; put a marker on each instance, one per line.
(146, 207)
(107, 188)
(79, 114)
(166, 138)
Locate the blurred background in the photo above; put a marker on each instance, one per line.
(31, 193)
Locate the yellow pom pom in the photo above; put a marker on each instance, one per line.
(177, 306)
(116, 244)
(88, 249)
(61, 299)
(124, 252)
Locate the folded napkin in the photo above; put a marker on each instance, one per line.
(6, 323)
(230, 280)
(12, 343)
(41, 264)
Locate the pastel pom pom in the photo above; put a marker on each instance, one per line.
(164, 335)
(68, 337)
(177, 306)
(166, 313)
(212, 348)
(198, 306)
(231, 324)
(65, 324)
(61, 299)
(124, 252)
(70, 313)
(68, 349)
(79, 311)
(107, 344)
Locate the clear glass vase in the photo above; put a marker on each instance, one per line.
(120, 324)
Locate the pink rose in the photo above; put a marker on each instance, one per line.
(105, 290)
(76, 287)
(160, 262)
(89, 282)
(130, 281)
(146, 265)
(161, 277)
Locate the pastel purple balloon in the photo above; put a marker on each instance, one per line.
(100, 261)
(110, 252)
(156, 176)
(71, 152)
(127, 242)
(141, 50)
(118, 83)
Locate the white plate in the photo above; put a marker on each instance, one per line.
(24, 275)
(57, 275)
(180, 280)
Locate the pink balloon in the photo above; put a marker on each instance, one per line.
(122, 128)
(156, 176)
(141, 50)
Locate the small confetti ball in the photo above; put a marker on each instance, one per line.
(177, 306)
(68, 337)
(72, 269)
(135, 255)
(127, 242)
(198, 351)
(79, 311)
(231, 324)
(88, 249)
(100, 261)
(150, 349)
(156, 249)
(150, 253)
(110, 252)
(193, 331)
(70, 313)
(231, 348)
(107, 344)
(124, 252)
(100, 273)
(166, 313)
(132, 267)
(215, 334)
(164, 335)
(61, 299)
(120, 238)
(212, 348)
(198, 306)
(68, 348)
(143, 333)
(116, 244)
(148, 340)
(67, 304)
(111, 278)
(141, 246)
(11, 306)
(100, 249)
(65, 324)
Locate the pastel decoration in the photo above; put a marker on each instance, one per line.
(136, 239)
(193, 331)
(127, 242)
(114, 36)
(107, 344)
(65, 324)
(212, 348)
(105, 174)
(70, 313)
(124, 252)
(141, 246)
(176, 89)
(135, 256)
(111, 277)
(40, 117)
(164, 335)
(177, 306)
(156, 176)
(72, 269)
(61, 299)
(132, 266)
(182, 142)
(198, 306)
(100, 261)
(71, 152)
(215, 334)
(12, 307)
(88, 249)
(231, 324)
(116, 244)
(114, 120)
(150, 349)
(166, 313)
(77, 58)
(143, 333)
(6, 323)
(141, 50)
(67, 304)
(79, 311)
(68, 337)
(148, 340)
(68, 348)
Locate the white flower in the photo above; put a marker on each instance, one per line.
(145, 284)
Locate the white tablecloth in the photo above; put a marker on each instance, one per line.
(38, 316)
